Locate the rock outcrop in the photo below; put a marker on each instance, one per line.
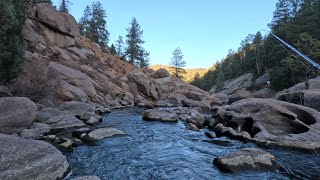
(16, 114)
(30, 159)
(271, 122)
(241, 82)
(88, 73)
(308, 98)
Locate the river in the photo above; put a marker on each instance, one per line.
(155, 150)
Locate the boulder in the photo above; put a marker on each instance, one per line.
(63, 122)
(86, 116)
(161, 115)
(102, 133)
(214, 102)
(192, 127)
(171, 86)
(102, 111)
(205, 106)
(210, 135)
(162, 104)
(75, 78)
(313, 84)
(77, 108)
(239, 94)
(246, 159)
(78, 132)
(66, 146)
(144, 84)
(93, 121)
(162, 73)
(72, 93)
(224, 98)
(241, 82)
(61, 22)
(30, 159)
(264, 93)
(262, 80)
(274, 122)
(166, 86)
(16, 114)
(196, 118)
(146, 104)
(87, 178)
(197, 96)
(36, 130)
(46, 113)
(308, 98)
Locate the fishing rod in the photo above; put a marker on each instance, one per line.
(315, 65)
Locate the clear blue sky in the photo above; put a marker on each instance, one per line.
(205, 30)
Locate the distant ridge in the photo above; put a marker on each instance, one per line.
(189, 76)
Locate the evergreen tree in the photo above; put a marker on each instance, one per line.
(177, 63)
(257, 41)
(93, 24)
(34, 2)
(12, 13)
(64, 6)
(119, 46)
(84, 23)
(134, 42)
(295, 21)
(144, 60)
(113, 50)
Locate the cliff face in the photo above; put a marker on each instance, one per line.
(84, 71)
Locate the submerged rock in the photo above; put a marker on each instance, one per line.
(246, 159)
(30, 159)
(160, 115)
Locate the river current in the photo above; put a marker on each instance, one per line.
(155, 150)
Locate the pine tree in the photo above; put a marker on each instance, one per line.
(257, 42)
(144, 60)
(93, 24)
(119, 46)
(113, 50)
(84, 22)
(134, 42)
(12, 13)
(64, 6)
(177, 63)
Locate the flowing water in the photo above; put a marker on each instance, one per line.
(155, 150)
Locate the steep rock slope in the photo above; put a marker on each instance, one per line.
(84, 71)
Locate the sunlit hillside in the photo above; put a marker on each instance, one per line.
(190, 73)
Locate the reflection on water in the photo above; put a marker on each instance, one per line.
(154, 150)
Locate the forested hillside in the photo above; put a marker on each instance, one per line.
(295, 21)
(188, 76)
